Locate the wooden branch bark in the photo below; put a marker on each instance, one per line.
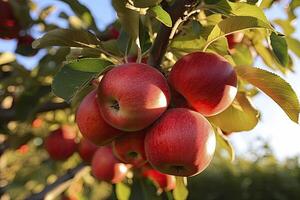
(54, 189)
(161, 42)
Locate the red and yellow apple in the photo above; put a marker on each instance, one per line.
(207, 81)
(180, 143)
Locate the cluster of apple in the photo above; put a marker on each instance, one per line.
(11, 29)
(132, 116)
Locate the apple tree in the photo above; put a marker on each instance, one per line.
(131, 111)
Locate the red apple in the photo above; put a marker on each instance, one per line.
(234, 39)
(113, 32)
(181, 143)
(60, 144)
(9, 28)
(207, 81)
(24, 46)
(132, 59)
(86, 150)
(91, 124)
(132, 96)
(129, 148)
(163, 181)
(106, 167)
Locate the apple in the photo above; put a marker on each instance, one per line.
(207, 81)
(24, 46)
(132, 96)
(132, 59)
(9, 28)
(129, 148)
(106, 167)
(86, 150)
(160, 180)
(91, 124)
(234, 39)
(60, 144)
(180, 143)
(113, 32)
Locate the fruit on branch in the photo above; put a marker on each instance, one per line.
(91, 124)
(132, 96)
(129, 148)
(60, 144)
(9, 28)
(234, 39)
(181, 143)
(207, 81)
(86, 150)
(24, 46)
(132, 59)
(160, 180)
(106, 167)
(113, 32)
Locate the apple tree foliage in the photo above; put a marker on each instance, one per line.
(38, 100)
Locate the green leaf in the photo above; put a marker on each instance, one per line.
(188, 43)
(161, 15)
(242, 55)
(280, 48)
(145, 4)
(234, 24)
(180, 192)
(286, 26)
(294, 45)
(68, 38)
(239, 116)
(128, 18)
(76, 75)
(223, 141)
(122, 191)
(275, 87)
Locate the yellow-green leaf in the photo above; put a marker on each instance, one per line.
(180, 192)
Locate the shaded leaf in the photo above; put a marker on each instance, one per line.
(223, 141)
(161, 15)
(280, 48)
(145, 4)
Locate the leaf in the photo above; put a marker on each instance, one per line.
(145, 4)
(239, 116)
(280, 48)
(233, 24)
(187, 42)
(128, 18)
(242, 55)
(180, 192)
(225, 143)
(275, 87)
(68, 38)
(161, 15)
(122, 191)
(294, 45)
(76, 75)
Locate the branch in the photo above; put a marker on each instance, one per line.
(7, 115)
(56, 188)
(159, 48)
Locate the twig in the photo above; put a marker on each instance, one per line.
(161, 42)
(56, 188)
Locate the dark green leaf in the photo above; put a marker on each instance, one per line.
(280, 48)
(145, 4)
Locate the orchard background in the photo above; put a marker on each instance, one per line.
(40, 90)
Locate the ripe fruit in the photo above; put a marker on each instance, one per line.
(24, 46)
(113, 32)
(86, 150)
(206, 80)
(132, 96)
(164, 181)
(181, 143)
(60, 144)
(91, 124)
(234, 39)
(132, 59)
(106, 167)
(129, 148)
(9, 27)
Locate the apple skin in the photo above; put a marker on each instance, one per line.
(24, 46)
(234, 39)
(86, 150)
(132, 59)
(106, 167)
(9, 28)
(91, 124)
(132, 96)
(180, 143)
(129, 148)
(207, 81)
(60, 144)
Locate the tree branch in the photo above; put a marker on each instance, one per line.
(161, 42)
(7, 115)
(56, 188)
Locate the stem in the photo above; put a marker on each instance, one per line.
(53, 190)
(161, 42)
